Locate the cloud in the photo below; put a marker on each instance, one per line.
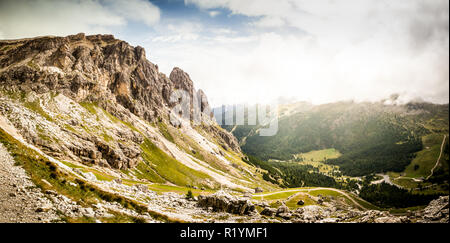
(347, 49)
(22, 18)
(137, 10)
(271, 65)
(213, 13)
(319, 51)
(344, 19)
(178, 32)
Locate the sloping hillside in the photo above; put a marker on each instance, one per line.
(371, 137)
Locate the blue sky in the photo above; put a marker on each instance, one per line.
(248, 51)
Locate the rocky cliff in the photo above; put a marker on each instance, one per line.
(109, 73)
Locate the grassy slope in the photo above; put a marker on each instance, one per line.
(284, 195)
(320, 155)
(317, 159)
(425, 159)
(169, 168)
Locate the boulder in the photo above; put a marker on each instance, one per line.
(268, 212)
(141, 187)
(258, 190)
(44, 208)
(388, 220)
(313, 213)
(224, 202)
(283, 209)
(286, 216)
(117, 181)
(320, 201)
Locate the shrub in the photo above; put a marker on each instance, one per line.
(189, 195)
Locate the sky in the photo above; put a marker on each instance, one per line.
(258, 51)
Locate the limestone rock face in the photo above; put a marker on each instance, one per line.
(181, 80)
(437, 211)
(224, 202)
(96, 68)
(109, 73)
(229, 141)
(203, 102)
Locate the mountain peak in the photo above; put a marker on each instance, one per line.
(98, 69)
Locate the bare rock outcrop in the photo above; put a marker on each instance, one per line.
(437, 211)
(224, 202)
(105, 71)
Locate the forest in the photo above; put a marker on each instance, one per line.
(388, 196)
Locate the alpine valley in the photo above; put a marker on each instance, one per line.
(87, 135)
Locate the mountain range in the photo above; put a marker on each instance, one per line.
(90, 131)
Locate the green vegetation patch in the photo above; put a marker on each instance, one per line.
(292, 203)
(282, 195)
(36, 107)
(165, 131)
(325, 192)
(116, 218)
(145, 171)
(425, 159)
(388, 196)
(320, 155)
(169, 168)
(161, 188)
(91, 107)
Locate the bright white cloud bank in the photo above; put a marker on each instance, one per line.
(352, 49)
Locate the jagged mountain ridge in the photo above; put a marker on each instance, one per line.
(96, 68)
(98, 101)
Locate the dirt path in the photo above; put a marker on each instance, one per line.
(20, 200)
(440, 155)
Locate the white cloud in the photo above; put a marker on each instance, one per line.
(223, 31)
(176, 38)
(343, 20)
(213, 13)
(270, 21)
(137, 10)
(273, 65)
(178, 32)
(22, 18)
(184, 27)
(353, 49)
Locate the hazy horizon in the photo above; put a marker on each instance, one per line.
(256, 51)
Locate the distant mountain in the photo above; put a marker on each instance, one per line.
(372, 137)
